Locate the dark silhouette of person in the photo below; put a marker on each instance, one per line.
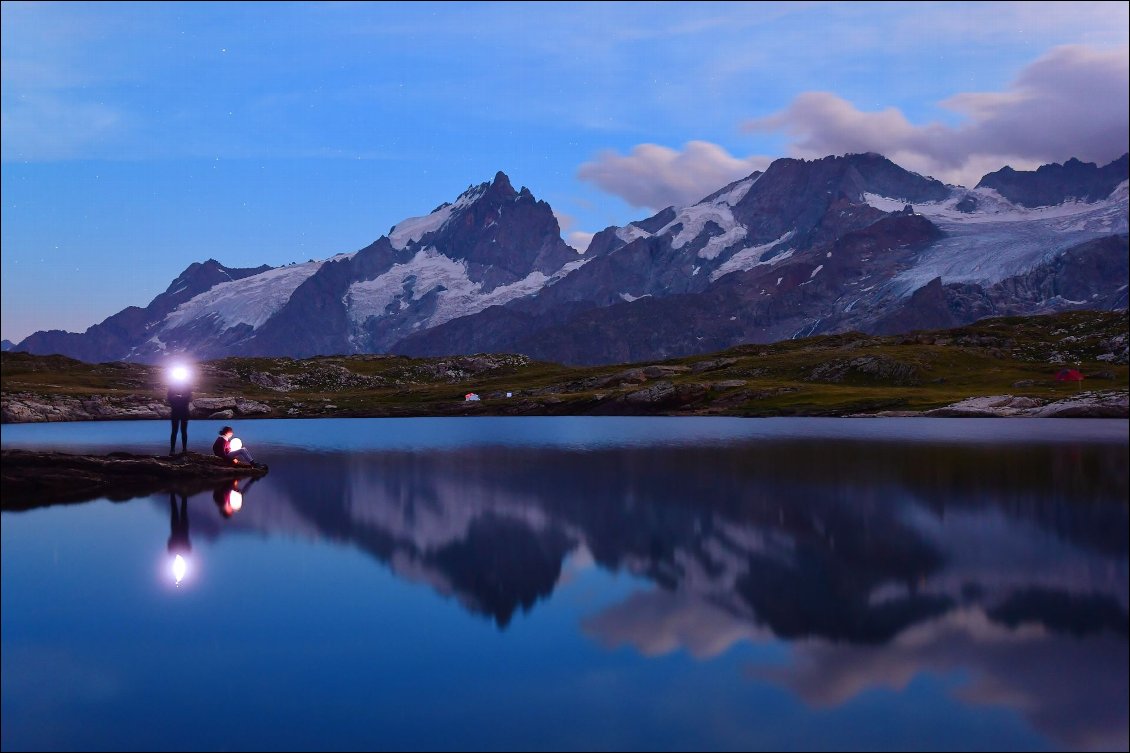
(178, 526)
(179, 545)
(180, 401)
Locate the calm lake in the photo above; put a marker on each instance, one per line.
(583, 583)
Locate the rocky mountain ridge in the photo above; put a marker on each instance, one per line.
(853, 242)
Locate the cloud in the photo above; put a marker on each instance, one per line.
(564, 221)
(657, 176)
(47, 126)
(579, 240)
(1072, 102)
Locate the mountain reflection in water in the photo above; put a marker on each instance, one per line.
(869, 563)
(876, 560)
(850, 545)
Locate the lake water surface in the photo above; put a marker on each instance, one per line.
(580, 583)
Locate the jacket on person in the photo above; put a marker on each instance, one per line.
(179, 400)
(220, 447)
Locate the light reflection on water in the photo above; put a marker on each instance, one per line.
(734, 585)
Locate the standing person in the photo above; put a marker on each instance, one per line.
(180, 401)
(222, 448)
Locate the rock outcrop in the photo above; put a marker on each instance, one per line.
(1055, 183)
(1090, 404)
(23, 407)
(29, 478)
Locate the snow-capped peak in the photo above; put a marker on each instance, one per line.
(415, 228)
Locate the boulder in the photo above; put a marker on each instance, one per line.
(658, 372)
(992, 406)
(1088, 405)
(251, 408)
(657, 393)
(1082, 405)
(953, 412)
(712, 365)
(208, 404)
(276, 382)
(690, 393)
(631, 376)
(876, 368)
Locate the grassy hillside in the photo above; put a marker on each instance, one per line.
(828, 375)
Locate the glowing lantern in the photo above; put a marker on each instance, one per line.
(235, 444)
(236, 501)
(180, 567)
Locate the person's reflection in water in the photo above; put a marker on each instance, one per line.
(179, 545)
(229, 496)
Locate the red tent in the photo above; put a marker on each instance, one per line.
(1069, 375)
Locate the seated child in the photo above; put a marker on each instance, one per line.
(222, 448)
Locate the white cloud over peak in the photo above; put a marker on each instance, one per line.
(579, 240)
(1071, 102)
(564, 221)
(657, 176)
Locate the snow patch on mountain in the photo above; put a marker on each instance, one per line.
(693, 220)
(719, 243)
(415, 228)
(991, 207)
(987, 249)
(737, 193)
(157, 344)
(629, 233)
(748, 258)
(252, 300)
(716, 210)
(456, 294)
(629, 297)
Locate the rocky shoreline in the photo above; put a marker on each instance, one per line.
(657, 398)
(1093, 404)
(27, 478)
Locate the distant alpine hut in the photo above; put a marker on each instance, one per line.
(471, 397)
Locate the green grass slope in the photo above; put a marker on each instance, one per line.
(827, 375)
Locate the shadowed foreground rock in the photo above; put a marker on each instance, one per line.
(34, 479)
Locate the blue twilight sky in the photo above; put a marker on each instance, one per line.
(141, 137)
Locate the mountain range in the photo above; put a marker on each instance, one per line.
(843, 243)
